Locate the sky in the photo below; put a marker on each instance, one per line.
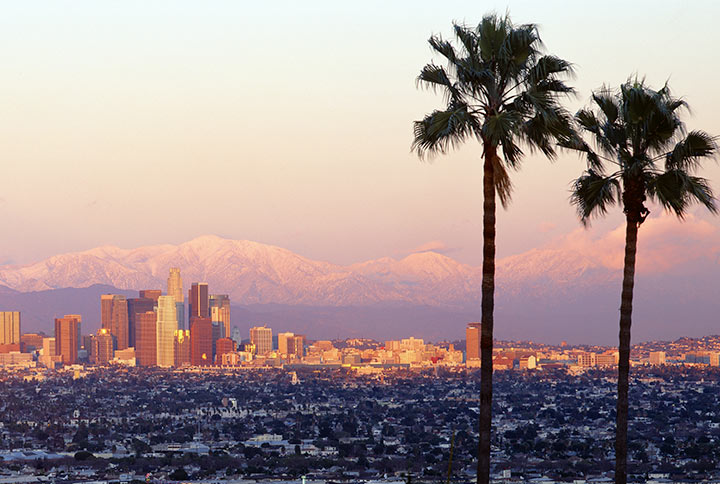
(290, 123)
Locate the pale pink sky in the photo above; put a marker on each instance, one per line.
(135, 123)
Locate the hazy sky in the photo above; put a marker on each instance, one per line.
(290, 123)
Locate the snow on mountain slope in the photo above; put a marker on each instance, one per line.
(254, 273)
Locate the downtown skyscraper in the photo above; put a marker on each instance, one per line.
(201, 351)
(198, 300)
(167, 325)
(67, 338)
(114, 318)
(146, 338)
(220, 312)
(175, 289)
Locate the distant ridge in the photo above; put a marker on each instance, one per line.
(254, 273)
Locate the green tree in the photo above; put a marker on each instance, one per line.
(500, 89)
(638, 132)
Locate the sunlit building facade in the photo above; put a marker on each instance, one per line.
(146, 339)
(261, 339)
(175, 289)
(201, 341)
(167, 325)
(67, 338)
(10, 327)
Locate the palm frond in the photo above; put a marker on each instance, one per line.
(444, 48)
(688, 153)
(547, 67)
(434, 77)
(441, 130)
(503, 184)
(593, 193)
(676, 190)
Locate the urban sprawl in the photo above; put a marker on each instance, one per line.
(144, 400)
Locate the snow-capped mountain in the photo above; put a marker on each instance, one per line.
(254, 273)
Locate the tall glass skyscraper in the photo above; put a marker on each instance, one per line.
(220, 312)
(175, 289)
(167, 324)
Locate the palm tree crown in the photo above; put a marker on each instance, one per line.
(500, 89)
(636, 130)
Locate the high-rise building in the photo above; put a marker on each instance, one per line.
(286, 343)
(114, 318)
(175, 289)
(153, 294)
(182, 348)
(10, 327)
(298, 346)
(198, 300)
(120, 324)
(67, 338)
(224, 345)
(220, 312)
(106, 309)
(472, 341)
(146, 339)
(200, 341)
(137, 305)
(261, 338)
(166, 327)
(102, 351)
(217, 331)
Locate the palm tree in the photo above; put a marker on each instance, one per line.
(635, 129)
(501, 90)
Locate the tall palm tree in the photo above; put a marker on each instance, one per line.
(639, 133)
(500, 89)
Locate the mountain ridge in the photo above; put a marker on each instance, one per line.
(255, 273)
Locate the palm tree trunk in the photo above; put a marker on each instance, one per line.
(621, 430)
(487, 306)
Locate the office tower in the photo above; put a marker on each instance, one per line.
(106, 305)
(9, 327)
(198, 300)
(217, 331)
(182, 347)
(153, 294)
(114, 318)
(120, 324)
(67, 338)
(261, 338)
(102, 345)
(146, 339)
(200, 341)
(285, 342)
(224, 345)
(175, 289)
(220, 312)
(472, 341)
(166, 327)
(298, 345)
(137, 305)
